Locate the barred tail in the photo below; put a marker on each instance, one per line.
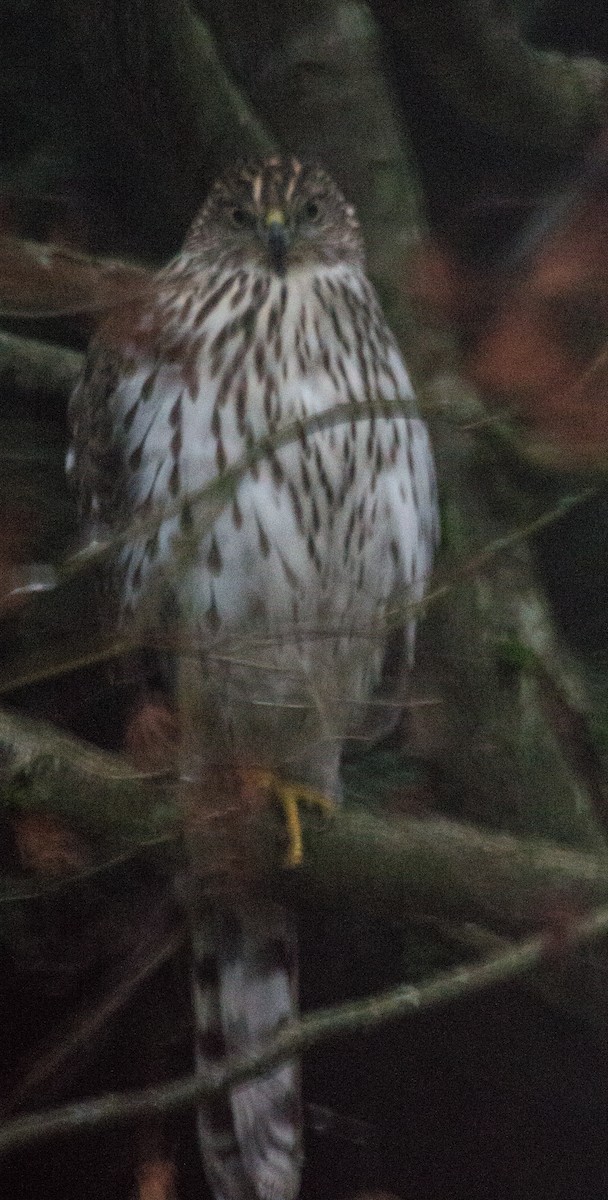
(245, 989)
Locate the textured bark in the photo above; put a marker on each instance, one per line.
(399, 867)
(508, 757)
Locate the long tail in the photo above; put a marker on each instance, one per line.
(244, 989)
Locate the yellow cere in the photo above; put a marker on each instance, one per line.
(275, 217)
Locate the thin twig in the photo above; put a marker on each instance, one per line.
(222, 488)
(220, 491)
(401, 612)
(76, 659)
(144, 962)
(407, 1000)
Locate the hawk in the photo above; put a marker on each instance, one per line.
(274, 567)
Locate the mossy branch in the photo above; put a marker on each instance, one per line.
(391, 867)
(28, 366)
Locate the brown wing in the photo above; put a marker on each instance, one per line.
(93, 464)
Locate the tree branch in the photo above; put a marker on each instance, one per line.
(28, 366)
(41, 280)
(484, 67)
(213, 497)
(126, 978)
(389, 866)
(354, 1017)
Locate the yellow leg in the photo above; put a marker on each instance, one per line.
(290, 796)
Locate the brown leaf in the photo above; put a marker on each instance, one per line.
(447, 290)
(156, 1180)
(47, 847)
(152, 735)
(547, 350)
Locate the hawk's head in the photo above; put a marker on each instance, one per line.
(276, 215)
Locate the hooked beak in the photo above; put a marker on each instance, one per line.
(277, 239)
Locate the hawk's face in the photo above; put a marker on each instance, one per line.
(276, 215)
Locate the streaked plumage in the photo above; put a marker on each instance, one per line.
(277, 589)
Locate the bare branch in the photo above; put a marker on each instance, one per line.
(499, 545)
(29, 366)
(39, 279)
(222, 488)
(140, 965)
(220, 491)
(61, 659)
(26, 742)
(397, 866)
(326, 1024)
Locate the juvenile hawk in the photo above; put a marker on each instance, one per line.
(278, 583)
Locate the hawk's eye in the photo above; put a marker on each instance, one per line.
(311, 210)
(239, 217)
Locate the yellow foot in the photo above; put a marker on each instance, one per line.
(290, 796)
